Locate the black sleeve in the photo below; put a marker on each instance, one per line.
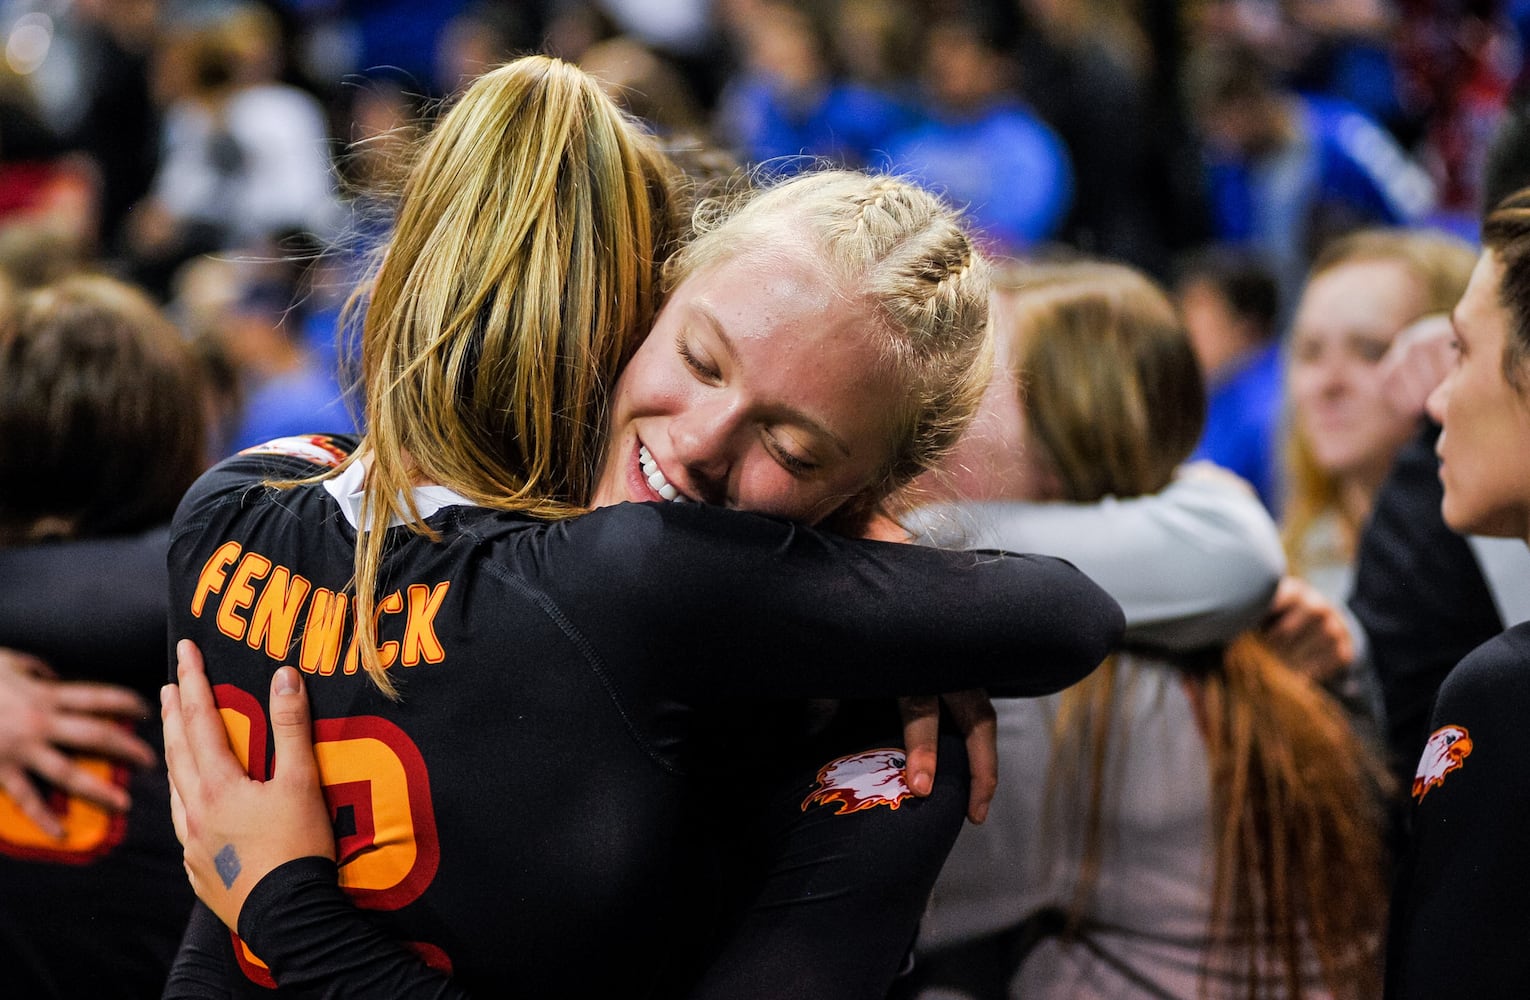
(799, 613)
(202, 969)
(92, 609)
(310, 934)
(1460, 919)
(1419, 596)
(837, 894)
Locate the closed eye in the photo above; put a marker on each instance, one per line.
(795, 464)
(703, 369)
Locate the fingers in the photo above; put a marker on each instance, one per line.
(68, 776)
(1308, 631)
(101, 738)
(15, 784)
(974, 715)
(206, 739)
(291, 728)
(178, 816)
(179, 759)
(921, 728)
(24, 664)
(85, 698)
(1419, 359)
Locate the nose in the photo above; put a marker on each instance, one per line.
(704, 439)
(1438, 400)
(1333, 376)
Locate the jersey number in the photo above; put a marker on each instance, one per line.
(89, 830)
(379, 802)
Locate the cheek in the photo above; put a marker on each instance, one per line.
(1302, 380)
(766, 488)
(649, 384)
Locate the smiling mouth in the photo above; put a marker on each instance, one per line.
(655, 477)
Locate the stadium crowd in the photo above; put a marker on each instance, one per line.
(1237, 275)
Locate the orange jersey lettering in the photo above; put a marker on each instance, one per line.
(275, 615)
(212, 577)
(320, 651)
(241, 593)
(420, 640)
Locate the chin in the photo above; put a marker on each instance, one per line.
(1499, 523)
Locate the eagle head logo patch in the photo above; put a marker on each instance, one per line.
(861, 781)
(1446, 751)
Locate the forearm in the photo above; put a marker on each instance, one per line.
(839, 891)
(92, 609)
(1214, 554)
(203, 966)
(304, 927)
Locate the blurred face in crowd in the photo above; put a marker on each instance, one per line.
(760, 388)
(1485, 447)
(783, 45)
(1218, 335)
(1346, 320)
(960, 71)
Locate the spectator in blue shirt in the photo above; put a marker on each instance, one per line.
(981, 146)
(1229, 303)
(1286, 171)
(790, 106)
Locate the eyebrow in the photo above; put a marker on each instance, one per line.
(792, 414)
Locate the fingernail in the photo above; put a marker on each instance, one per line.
(286, 681)
(979, 814)
(922, 783)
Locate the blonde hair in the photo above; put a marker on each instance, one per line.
(1441, 265)
(903, 254)
(1115, 399)
(522, 271)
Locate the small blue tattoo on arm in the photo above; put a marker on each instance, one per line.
(227, 863)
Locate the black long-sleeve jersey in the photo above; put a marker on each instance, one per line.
(1420, 596)
(524, 815)
(1461, 916)
(100, 912)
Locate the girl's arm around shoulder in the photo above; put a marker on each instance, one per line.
(93, 608)
(1193, 565)
(750, 605)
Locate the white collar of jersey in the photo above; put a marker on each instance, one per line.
(349, 488)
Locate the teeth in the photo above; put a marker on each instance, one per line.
(656, 478)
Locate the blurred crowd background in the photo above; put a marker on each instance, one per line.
(225, 155)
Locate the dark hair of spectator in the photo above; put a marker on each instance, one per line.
(1221, 75)
(102, 412)
(993, 25)
(1243, 281)
(1506, 166)
(1506, 232)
